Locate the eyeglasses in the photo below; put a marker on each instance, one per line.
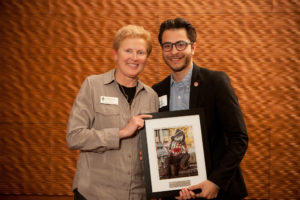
(180, 45)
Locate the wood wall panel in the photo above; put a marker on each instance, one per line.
(48, 47)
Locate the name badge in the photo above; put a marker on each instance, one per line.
(163, 101)
(109, 100)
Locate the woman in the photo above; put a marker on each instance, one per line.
(105, 119)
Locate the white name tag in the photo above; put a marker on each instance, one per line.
(163, 101)
(109, 100)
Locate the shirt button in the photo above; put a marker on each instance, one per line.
(179, 97)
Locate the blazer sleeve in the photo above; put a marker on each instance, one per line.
(232, 123)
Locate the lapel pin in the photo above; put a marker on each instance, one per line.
(196, 84)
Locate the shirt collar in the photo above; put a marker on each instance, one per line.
(109, 78)
(186, 80)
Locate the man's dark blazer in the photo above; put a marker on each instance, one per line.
(225, 126)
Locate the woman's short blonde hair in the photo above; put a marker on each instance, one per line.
(133, 31)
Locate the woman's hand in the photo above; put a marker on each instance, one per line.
(135, 123)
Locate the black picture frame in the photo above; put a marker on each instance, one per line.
(165, 175)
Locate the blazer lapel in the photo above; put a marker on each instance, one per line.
(195, 97)
(165, 90)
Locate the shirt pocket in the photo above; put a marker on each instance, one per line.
(107, 116)
(147, 106)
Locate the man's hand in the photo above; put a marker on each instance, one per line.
(209, 191)
(135, 123)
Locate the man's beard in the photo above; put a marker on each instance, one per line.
(182, 67)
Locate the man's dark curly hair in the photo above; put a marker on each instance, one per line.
(178, 23)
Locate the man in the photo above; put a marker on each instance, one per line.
(190, 86)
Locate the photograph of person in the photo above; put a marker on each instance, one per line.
(175, 152)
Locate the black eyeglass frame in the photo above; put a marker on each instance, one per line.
(175, 44)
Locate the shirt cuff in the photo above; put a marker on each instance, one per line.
(111, 137)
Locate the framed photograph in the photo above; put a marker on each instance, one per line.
(175, 152)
